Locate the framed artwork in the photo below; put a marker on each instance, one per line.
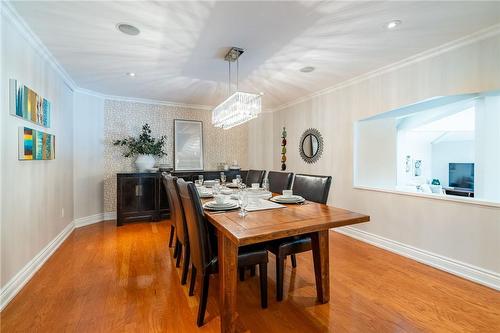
(36, 145)
(188, 145)
(28, 105)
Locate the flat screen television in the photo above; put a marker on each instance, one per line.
(461, 175)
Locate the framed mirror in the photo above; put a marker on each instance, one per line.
(188, 145)
(311, 145)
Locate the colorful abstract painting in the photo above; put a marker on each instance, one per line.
(36, 145)
(27, 104)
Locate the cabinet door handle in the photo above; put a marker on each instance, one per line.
(138, 190)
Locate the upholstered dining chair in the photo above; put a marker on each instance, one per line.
(255, 176)
(172, 225)
(243, 175)
(203, 242)
(182, 239)
(279, 181)
(312, 188)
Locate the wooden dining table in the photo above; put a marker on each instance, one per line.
(234, 231)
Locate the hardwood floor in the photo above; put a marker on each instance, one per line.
(109, 279)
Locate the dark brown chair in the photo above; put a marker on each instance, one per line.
(279, 181)
(172, 219)
(312, 188)
(243, 175)
(203, 244)
(255, 176)
(177, 215)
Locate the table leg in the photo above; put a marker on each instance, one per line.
(228, 266)
(321, 257)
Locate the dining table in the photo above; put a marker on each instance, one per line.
(307, 218)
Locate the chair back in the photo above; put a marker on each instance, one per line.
(279, 181)
(200, 242)
(243, 175)
(312, 188)
(255, 176)
(176, 210)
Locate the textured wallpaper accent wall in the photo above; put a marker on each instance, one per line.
(122, 118)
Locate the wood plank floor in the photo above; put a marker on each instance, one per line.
(108, 279)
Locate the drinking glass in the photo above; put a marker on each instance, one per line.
(223, 178)
(200, 178)
(243, 201)
(265, 184)
(238, 179)
(216, 189)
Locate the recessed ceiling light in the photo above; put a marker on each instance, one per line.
(307, 69)
(128, 29)
(131, 74)
(392, 24)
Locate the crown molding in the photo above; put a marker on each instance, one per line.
(458, 43)
(9, 12)
(158, 102)
(142, 100)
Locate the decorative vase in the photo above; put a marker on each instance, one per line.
(145, 162)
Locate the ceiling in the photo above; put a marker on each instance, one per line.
(178, 56)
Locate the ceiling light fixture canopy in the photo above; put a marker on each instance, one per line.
(128, 29)
(307, 69)
(239, 107)
(392, 24)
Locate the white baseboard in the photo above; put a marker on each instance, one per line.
(96, 218)
(15, 284)
(466, 271)
(87, 220)
(109, 216)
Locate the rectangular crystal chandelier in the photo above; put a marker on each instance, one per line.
(239, 108)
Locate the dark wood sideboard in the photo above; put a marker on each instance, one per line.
(142, 196)
(139, 197)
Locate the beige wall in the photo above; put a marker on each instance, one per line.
(123, 118)
(88, 162)
(463, 232)
(34, 193)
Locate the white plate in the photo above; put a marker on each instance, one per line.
(206, 195)
(229, 203)
(261, 195)
(231, 185)
(292, 199)
(210, 207)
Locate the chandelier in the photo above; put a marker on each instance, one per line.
(239, 107)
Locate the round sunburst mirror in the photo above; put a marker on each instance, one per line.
(311, 145)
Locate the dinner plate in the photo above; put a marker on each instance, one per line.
(261, 195)
(292, 199)
(206, 195)
(212, 205)
(232, 185)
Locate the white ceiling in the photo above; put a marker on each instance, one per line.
(178, 55)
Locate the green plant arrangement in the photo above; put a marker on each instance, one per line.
(145, 144)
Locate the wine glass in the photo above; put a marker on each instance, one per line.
(238, 179)
(265, 184)
(223, 178)
(200, 179)
(243, 201)
(216, 189)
